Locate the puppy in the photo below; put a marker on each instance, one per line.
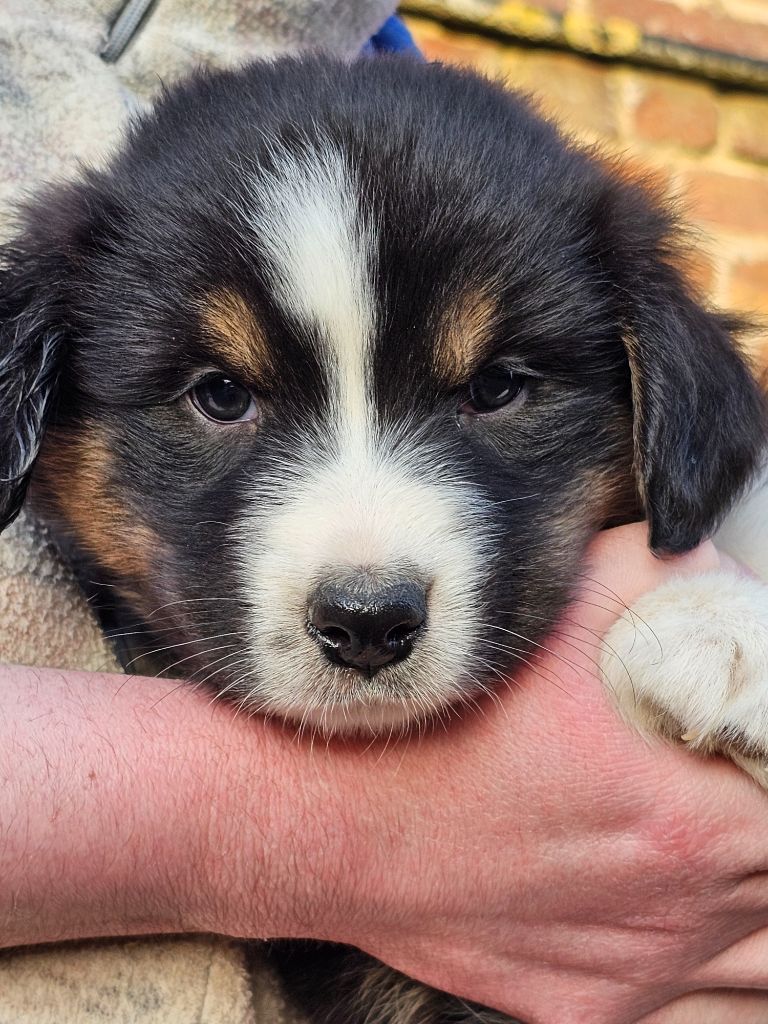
(327, 381)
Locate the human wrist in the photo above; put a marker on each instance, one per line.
(290, 837)
(136, 806)
(141, 806)
(90, 849)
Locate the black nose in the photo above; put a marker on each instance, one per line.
(366, 624)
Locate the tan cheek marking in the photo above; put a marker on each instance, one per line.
(74, 482)
(464, 334)
(238, 336)
(602, 495)
(612, 493)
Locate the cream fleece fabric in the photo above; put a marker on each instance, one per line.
(169, 981)
(61, 104)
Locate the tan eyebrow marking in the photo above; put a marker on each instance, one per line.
(239, 337)
(464, 333)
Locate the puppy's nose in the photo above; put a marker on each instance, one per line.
(366, 625)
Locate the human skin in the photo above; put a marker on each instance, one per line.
(534, 854)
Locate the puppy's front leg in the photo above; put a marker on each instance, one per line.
(690, 662)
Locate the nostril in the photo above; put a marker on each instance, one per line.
(322, 623)
(335, 634)
(404, 631)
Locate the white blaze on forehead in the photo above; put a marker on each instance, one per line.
(321, 252)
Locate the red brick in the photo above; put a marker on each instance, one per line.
(697, 27)
(729, 200)
(681, 113)
(448, 47)
(748, 288)
(575, 92)
(747, 126)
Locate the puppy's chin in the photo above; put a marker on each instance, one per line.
(340, 702)
(377, 718)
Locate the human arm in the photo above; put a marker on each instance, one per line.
(538, 857)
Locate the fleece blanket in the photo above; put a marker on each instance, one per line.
(71, 72)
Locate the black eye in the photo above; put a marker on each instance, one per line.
(223, 400)
(493, 388)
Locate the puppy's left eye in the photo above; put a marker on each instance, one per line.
(223, 400)
(493, 388)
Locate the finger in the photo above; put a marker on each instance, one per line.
(742, 965)
(714, 1007)
(621, 568)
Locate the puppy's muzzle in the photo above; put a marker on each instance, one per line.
(365, 624)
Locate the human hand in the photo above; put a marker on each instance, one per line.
(541, 858)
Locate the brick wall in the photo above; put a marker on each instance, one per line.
(703, 134)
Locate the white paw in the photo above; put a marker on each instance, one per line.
(690, 662)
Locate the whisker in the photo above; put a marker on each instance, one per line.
(156, 630)
(230, 686)
(169, 693)
(562, 637)
(600, 644)
(534, 643)
(182, 643)
(522, 497)
(191, 600)
(225, 657)
(631, 611)
(517, 654)
(195, 654)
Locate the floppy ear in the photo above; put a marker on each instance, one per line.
(31, 344)
(54, 231)
(57, 231)
(699, 416)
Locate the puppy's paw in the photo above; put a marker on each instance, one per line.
(689, 662)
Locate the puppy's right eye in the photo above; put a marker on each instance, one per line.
(223, 400)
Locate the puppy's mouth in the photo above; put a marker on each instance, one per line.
(362, 715)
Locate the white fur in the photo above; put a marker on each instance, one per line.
(691, 659)
(321, 249)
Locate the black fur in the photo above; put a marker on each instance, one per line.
(699, 418)
(30, 356)
(334, 984)
(639, 400)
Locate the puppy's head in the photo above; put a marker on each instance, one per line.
(335, 370)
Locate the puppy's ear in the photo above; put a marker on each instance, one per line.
(33, 330)
(699, 416)
(31, 344)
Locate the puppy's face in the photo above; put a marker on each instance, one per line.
(351, 364)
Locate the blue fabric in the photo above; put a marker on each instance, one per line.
(392, 37)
